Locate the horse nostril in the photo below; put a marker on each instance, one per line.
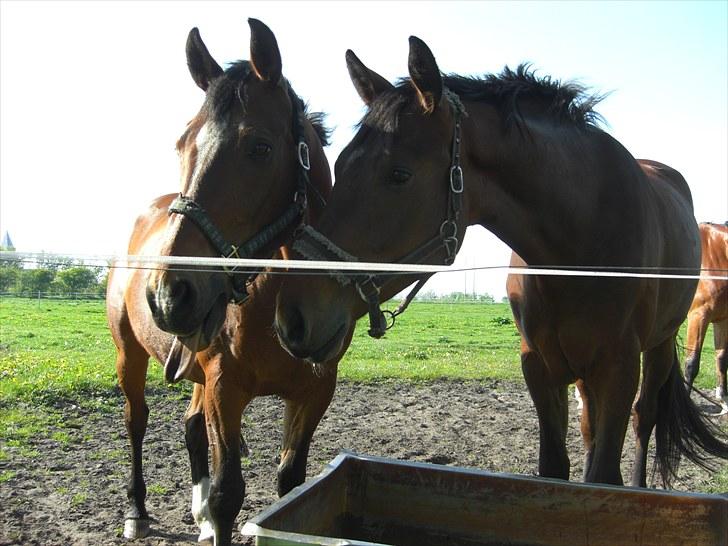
(179, 289)
(295, 326)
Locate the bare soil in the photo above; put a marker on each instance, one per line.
(72, 491)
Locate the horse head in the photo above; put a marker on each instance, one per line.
(245, 168)
(397, 198)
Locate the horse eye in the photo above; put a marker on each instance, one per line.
(400, 176)
(260, 149)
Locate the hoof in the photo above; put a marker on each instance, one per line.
(136, 528)
(207, 533)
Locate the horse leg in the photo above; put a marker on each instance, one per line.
(720, 337)
(587, 425)
(697, 327)
(656, 370)
(552, 407)
(612, 384)
(224, 402)
(302, 416)
(131, 371)
(197, 449)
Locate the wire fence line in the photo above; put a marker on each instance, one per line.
(276, 266)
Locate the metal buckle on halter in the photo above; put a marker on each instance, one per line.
(456, 179)
(300, 199)
(449, 240)
(367, 284)
(303, 158)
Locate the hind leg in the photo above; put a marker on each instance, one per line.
(586, 424)
(302, 416)
(656, 371)
(697, 327)
(197, 449)
(131, 370)
(720, 337)
(552, 407)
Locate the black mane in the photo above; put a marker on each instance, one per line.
(229, 88)
(566, 102)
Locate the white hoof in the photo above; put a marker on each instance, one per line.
(136, 528)
(207, 534)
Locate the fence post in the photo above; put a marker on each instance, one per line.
(38, 298)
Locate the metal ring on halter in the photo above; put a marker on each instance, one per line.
(389, 317)
(303, 157)
(443, 229)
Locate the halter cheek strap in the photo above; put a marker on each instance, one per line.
(313, 245)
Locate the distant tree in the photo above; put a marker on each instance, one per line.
(33, 281)
(486, 298)
(103, 283)
(505, 299)
(75, 280)
(9, 275)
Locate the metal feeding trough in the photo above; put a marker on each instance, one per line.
(361, 500)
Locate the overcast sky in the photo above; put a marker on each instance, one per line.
(94, 94)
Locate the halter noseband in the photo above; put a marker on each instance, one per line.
(315, 246)
(248, 249)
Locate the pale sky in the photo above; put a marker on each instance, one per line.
(93, 95)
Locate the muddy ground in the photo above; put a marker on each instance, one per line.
(71, 490)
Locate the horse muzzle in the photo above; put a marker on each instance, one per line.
(317, 341)
(187, 304)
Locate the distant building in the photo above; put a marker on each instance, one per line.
(6, 243)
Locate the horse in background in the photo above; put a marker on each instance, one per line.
(710, 306)
(248, 160)
(523, 157)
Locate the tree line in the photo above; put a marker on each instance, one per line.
(52, 278)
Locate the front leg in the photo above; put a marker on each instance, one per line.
(552, 407)
(197, 449)
(224, 404)
(302, 416)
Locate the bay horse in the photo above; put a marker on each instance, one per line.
(522, 156)
(246, 169)
(710, 306)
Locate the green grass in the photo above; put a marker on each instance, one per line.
(61, 349)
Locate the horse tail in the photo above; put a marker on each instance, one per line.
(682, 429)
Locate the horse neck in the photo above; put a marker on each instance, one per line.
(526, 188)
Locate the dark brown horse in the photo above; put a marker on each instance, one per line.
(710, 306)
(523, 157)
(244, 179)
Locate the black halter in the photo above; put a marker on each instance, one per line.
(291, 215)
(314, 246)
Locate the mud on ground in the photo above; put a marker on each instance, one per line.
(71, 490)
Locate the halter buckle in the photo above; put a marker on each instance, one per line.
(456, 179)
(303, 157)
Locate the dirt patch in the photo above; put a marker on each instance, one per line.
(70, 489)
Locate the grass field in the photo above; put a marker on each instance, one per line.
(53, 351)
(51, 348)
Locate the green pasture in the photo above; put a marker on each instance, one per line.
(51, 348)
(54, 352)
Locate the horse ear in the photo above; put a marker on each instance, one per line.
(202, 66)
(425, 74)
(265, 57)
(368, 83)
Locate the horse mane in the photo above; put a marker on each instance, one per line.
(226, 90)
(563, 102)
